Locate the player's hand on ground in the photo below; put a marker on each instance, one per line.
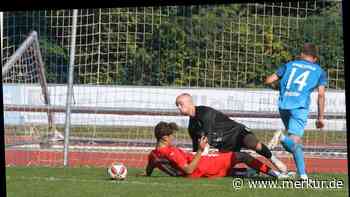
(319, 123)
(203, 141)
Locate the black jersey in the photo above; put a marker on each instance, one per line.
(217, 126)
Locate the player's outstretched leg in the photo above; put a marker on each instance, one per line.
(258, 165)
(262, 148)
(293, 145)
(295, 121)
(250, 141)
(244, 172)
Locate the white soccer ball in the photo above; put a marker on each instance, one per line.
(117, 171)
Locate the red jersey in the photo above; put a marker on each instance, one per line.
(172, 160)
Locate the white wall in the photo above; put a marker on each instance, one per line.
(261, 100)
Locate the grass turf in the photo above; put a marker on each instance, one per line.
(91, 182)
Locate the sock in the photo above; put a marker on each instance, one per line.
(287, 143)
(279, 164)
(273, 173)
(299, 159)
(259, 166)
(297, 151)
(273, 158)
(264, 151)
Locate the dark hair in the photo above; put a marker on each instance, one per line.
(164, 129)
(310, 49)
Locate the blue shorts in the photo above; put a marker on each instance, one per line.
(294, 120)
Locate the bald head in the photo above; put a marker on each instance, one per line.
(184, 98)
(185, 104)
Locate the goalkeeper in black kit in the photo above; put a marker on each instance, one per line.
(223, 133)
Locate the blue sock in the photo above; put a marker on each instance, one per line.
(287, 143)
(297, 151)
(299, 159)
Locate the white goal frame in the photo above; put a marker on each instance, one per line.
(31, 43)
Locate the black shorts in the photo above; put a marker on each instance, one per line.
(233, 140)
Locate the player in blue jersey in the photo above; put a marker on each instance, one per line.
(297, 80)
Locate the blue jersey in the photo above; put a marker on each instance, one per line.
(298, 79)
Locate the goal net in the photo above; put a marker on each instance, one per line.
(131, 63)
(26, 92)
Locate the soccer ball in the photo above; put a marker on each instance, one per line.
(117, 171)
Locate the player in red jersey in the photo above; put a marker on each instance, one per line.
(176, 162)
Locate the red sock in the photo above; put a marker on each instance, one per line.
(258, 165)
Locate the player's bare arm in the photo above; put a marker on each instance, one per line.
(148, 171)
(189, 168)
(321, 106)
(271, 81)
(271, 78)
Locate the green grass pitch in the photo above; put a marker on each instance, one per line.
(93, 182)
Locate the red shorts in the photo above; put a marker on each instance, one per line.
(215, 165)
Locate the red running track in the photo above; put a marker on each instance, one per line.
(138, 160)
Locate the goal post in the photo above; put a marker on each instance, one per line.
(26, 67)
(21, 59)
